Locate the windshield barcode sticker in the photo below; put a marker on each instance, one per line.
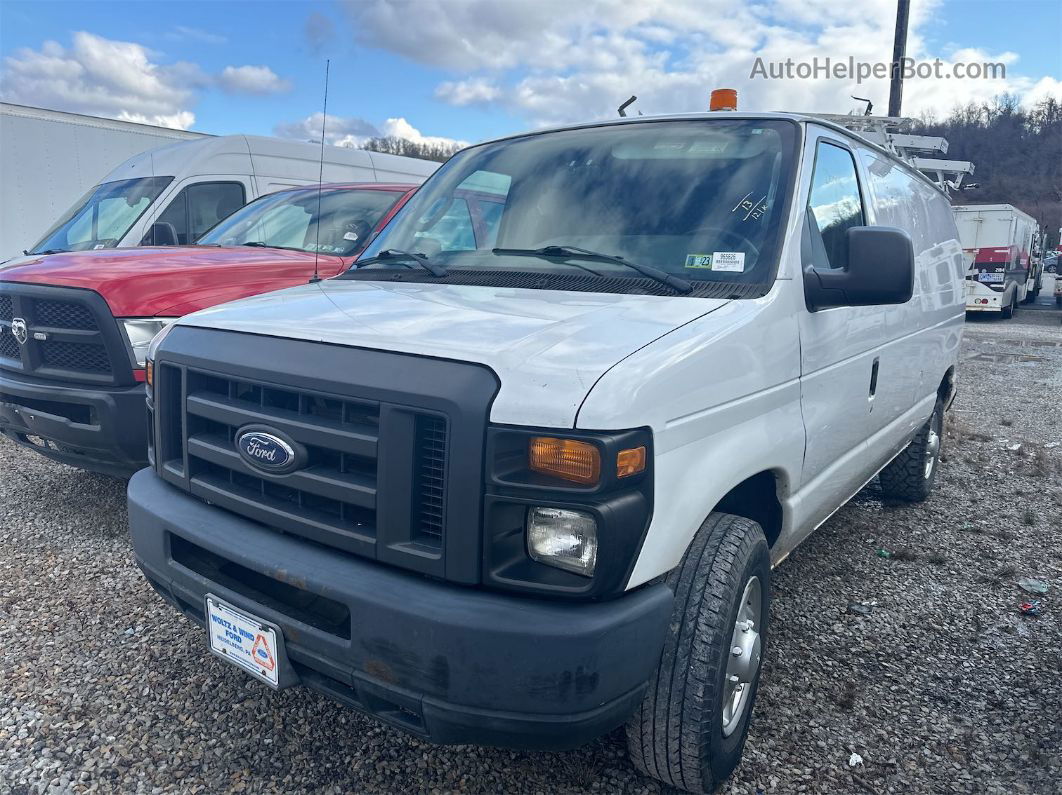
(730, 261)
(733, 261)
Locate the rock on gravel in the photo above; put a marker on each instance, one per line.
(940, 686)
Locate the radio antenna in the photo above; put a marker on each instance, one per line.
(320, 178)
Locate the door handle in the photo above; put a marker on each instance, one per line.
(874, 377)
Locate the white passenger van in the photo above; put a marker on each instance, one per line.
(173, 194)
(521, 477)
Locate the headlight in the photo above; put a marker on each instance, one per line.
(141, 332)
(563, 538)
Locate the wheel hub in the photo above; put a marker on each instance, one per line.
(744, 659)
(932, 449)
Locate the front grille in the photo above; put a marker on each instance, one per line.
(63, 314)
(9, 346)
(72, 335)
(332, 498)
(430, 478)
(89, 358)
(389, 446)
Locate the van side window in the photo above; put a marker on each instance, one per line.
(193, 211)
(834, 204)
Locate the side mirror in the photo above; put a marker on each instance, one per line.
(161, 233)
(880, 271)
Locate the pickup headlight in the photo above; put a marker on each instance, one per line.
(141, 331)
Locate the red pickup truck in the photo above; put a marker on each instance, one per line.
(74, 327)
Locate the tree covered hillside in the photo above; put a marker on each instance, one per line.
(1017, 155)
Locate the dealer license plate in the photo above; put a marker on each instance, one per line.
(243, 640)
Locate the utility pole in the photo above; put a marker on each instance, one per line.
(899, 52)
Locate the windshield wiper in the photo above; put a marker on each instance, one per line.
(46, 251)
(259, 244)
(574, 252)
(397, 254)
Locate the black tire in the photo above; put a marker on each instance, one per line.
(1008, 313)
(1058, 300)
(677, 735)
(906, 477)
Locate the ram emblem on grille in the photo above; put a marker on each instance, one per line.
(18, 328)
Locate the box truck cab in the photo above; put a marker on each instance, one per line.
(172, 195)
(74, 327)
(521, 480)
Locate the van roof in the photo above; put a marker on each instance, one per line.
(799, 118)
(228, 154)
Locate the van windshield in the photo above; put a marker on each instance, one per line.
(103, 216)
(290, 219)
(700, 201)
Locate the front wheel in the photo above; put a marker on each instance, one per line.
(690, 729)
(910, 475)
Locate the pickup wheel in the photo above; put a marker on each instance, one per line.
(910, 475)
(691, 726)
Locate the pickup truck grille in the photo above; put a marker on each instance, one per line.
(389, 445)
(71, 335)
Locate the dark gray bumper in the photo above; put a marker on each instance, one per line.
(103, 429)
(453, 664)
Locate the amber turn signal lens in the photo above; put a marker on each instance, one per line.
(149, 372)
(630, 462)
(579, 462)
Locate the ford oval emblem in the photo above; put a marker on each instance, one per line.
(269, 451)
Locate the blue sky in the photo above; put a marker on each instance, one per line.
(473, 69)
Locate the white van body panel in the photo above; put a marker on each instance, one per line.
(262, 165)
(730, 388)
(547, 347)
(50, 158)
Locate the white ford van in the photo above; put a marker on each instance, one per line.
(521, 477)
(174, 194)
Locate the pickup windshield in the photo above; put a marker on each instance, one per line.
(290, 219)
(699, 202)
(103, 216)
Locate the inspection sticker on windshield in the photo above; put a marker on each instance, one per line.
(733, 261)
(243, 640)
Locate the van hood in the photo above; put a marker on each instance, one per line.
(172, 280)
(547, 347)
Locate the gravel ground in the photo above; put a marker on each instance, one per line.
(942, 687)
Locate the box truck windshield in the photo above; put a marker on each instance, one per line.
(338, 222)
(700, 201)
(102, 217)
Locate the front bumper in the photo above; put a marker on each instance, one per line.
(452, 664)
(103, 429)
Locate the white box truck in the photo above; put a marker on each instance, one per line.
(999, 243)
(49, 158)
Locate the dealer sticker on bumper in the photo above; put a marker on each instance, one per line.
(243, 640)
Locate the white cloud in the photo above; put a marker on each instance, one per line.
(102, 77)
(353, 132)
(400, 128)
(339, 131)
(556, 61)
(476, 90)
(252, 80)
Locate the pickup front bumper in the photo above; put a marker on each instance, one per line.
(450, 663)
(103, 429)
